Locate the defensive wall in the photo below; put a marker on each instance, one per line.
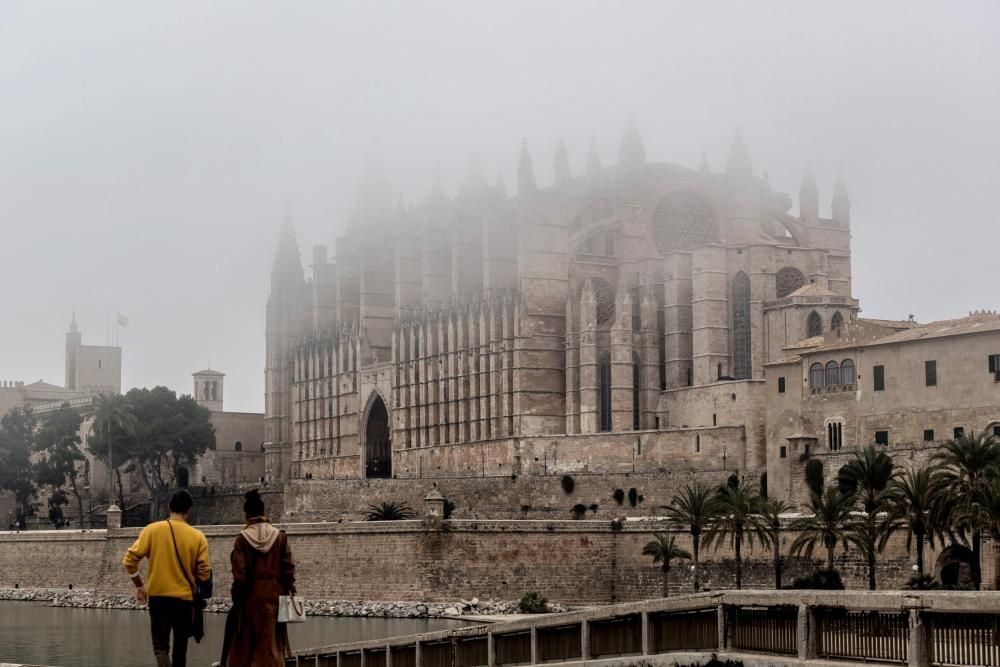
(575, 562)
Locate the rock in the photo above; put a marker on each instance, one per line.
(451, 611)
(474, 602)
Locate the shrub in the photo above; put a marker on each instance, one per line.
(617, 524)
(533, 603)
(593, 508)
(924, 583)
(714, 662)
(449, 507)
(763, 485)
(619, 496)
(579, 510)
(568, 484)
(633, 497)
(389, 512)
(821, 580)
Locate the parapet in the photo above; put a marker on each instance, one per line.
(11, 384)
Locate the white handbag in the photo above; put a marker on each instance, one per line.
(291, 609)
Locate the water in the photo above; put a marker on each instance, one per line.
(65, 637)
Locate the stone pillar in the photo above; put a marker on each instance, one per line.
(805, 633)
(649, 373)
(918, 650)
(589, 416)
(572, 369)
(534, 645)
(723, 623)
(709, 314)
(677, 319)
(114, 517)
(585, 640)
(621, 362)
(647, 640)
(485, 394)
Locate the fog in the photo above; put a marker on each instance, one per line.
(147, 150)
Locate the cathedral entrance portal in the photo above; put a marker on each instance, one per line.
(378, 451)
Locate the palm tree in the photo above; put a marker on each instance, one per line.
(112, 412)
(829, 524)
(694, 507)
(867, 476)
(388, 511)
(773, 509)
(917, 506)
(969, 461)
(739, 517)
(663, 549)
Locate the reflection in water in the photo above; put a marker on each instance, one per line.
(63, 637)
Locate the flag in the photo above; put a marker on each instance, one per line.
(122, 320)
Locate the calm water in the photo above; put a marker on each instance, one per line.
(62, 637)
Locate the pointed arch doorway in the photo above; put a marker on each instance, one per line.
(377, 447)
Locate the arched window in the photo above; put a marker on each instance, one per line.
(604, 381)
(788, 280)
(741, 327)
(814, 325)
(836, 322)
(636, 391)
(847, 371)
(816, 376)
(238, 447)
(832, 374)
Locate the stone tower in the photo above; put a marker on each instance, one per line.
(74, 339)
(208, 386)
(287, 318)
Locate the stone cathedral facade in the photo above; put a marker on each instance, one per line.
(620, 319)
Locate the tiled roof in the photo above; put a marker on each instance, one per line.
(975, 323)
(812, 289)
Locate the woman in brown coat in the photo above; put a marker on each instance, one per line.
(263, 569)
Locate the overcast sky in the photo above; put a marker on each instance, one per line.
(147, 149)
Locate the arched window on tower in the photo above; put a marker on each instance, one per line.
(636, 393)
(741, 327)
(604, 383)
(238, 446)
(832, 374)
(816, 376)
(836, 322)
(814, 325)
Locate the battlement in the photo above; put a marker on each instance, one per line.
(11, 385)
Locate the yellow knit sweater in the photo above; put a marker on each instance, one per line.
(165, 577)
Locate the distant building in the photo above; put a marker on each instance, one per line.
(238, 455)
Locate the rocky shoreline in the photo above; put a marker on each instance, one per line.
(363, 609)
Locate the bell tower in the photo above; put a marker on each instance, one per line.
(208, 385)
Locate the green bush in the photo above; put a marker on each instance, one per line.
(389, 512)
(821, 580)
(533, 603)
(924, 583)
(568, 484)
(633, 497)
(579, 510)
(619, 496)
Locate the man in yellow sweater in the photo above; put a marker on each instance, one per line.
(170, 545)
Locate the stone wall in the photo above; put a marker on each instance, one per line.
(567, 561)
(508, 497)
(215, 505)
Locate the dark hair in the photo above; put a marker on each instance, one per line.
(253, 505)
(181, 502)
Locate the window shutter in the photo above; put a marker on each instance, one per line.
(993, 363)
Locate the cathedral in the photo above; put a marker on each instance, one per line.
(618, 320)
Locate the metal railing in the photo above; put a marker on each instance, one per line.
(917, 628)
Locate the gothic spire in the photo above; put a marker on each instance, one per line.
(500, 188)
(841, 202)
(809, 198)
(475, 177)
(525, 172)
(631, 154)
(593, 158)
(739, 158)
(287, 260)
(561, 165)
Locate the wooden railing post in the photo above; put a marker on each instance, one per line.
(918, 640)
(584, 640)
(646, 640)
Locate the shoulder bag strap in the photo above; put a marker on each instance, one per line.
(194, 589)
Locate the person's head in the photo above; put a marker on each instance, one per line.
(253, 504)
(181, 503)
